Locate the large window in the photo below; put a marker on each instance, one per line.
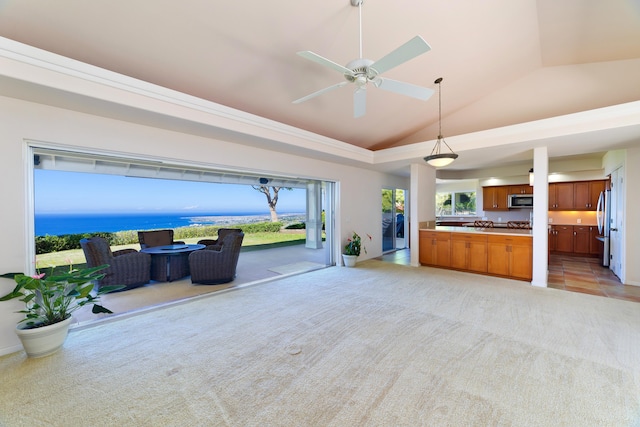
(456, 203)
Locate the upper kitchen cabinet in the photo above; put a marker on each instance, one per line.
(586, 194)
(561, 196)
(495, 198)
(520, 189)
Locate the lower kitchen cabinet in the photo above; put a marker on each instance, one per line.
(510, 256)
(435, 248)
(581, 239)
(596, 247)
(469, 252)
(563, 236)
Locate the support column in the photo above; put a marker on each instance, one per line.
(540, 217)
(313, 223)
(422, 205)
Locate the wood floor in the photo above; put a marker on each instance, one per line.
(569, 273)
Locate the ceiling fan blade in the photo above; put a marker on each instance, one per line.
(324, 61)
(414, 47)
(407, 89)
(320, 92)
(359, 102)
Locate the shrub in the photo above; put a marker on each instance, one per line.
(296, 226)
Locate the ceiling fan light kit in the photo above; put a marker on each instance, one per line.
(437, 158)
(362, 71)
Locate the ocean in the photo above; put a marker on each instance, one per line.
(57, 224)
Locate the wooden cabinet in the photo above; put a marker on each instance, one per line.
(520, 189)
(435, 248)
(563, 236)
(596, 247)
(469, 252)
(495, 198)
(581, 239)
(586, 194)
(510, 256)
(561, 196)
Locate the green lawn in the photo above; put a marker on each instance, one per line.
(251, 241)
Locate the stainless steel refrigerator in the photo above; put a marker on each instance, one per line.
(603, 217)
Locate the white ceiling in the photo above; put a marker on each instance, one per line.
(504, 62)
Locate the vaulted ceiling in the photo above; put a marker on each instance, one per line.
(504, 62)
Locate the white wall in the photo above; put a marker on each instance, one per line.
(359, 201)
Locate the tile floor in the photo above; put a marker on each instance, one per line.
(569, 273)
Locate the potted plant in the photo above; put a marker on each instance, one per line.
(49, 303)
(352, 250)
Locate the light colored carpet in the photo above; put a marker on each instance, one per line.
(379, 345)
(296, 267)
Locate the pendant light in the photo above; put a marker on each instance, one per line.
(437, 158)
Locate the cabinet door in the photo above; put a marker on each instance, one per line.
(595, 188)
(581, 239)
(596, 247)
(494, 198)
(426, 247)
(497, 258)
(443, 250)
(477, 256)
(553, 240)
(520, 189)
(522, 260)
(564, 238)
(561, 196)
(458, 253)
(581, 195)
(469, 252)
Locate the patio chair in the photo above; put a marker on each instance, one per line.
(178, 265)
(127, 267)
(222, 232)
(216, 264)
(149, 239)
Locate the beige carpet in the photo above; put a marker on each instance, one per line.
(379, 345)
(296, 267)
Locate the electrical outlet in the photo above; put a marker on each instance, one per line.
(550, 220)
(579, 221)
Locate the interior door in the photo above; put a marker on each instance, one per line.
(616, 220)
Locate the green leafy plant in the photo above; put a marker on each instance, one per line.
(52, 299)
(354, 244)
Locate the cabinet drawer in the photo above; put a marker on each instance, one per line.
(468, 237)
(435, 235)
(509, 240)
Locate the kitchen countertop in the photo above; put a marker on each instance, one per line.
(475, 230)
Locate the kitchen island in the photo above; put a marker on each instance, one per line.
(496, 252)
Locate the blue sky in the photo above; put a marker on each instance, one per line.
(71, 192)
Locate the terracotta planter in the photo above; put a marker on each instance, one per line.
(349, 260)
(43, 341)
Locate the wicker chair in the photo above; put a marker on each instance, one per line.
(222, 232)
(519, 224)
(149, 239)
(483, 224)
(216, 264)
(178, 265)
(127, 267)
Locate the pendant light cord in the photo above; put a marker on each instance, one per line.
(360, 19)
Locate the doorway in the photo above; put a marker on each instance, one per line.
(394, 226)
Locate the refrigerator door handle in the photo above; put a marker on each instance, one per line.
(600, 212)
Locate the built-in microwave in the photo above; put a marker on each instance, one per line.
(520, 201)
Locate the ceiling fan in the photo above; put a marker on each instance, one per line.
(362, 71)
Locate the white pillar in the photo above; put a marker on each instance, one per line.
(422, 204)
(540, 216)
(313, 223)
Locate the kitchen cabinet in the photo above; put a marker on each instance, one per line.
(581, 239)
(561, 196)
(596, 247)
(435, 248)
(469, 252)
(495, 198)
(586, 193)
(510, 256)
(520, 189)
(562, 238)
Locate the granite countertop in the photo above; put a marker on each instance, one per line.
(474, 230)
